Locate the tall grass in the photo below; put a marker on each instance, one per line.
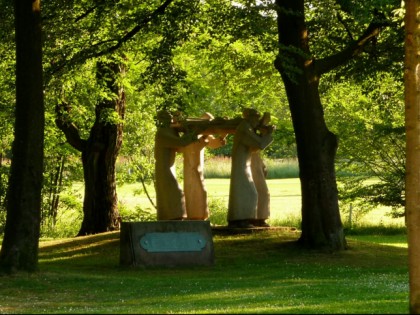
(282, 168)
(217, 167)
(220, 167)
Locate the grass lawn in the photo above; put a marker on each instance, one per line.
(263, 272)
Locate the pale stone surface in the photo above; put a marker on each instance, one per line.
(170, 199)
(259, 173)
(243, 195)
(194, 185)
(249, 198)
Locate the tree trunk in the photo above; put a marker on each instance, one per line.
(19, 250)
(99, 153)
(316, 145)
(56, 185)
(412, 125)
(100, 205)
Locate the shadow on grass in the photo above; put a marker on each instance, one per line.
(273, 245)
(264, 272)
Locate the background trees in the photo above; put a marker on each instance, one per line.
(100, 150)
(214, 56)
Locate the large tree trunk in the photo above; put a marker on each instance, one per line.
(412, 123)
(19, 250)
(316, 145)
(100, 205)
(99, 154)
(316, 148)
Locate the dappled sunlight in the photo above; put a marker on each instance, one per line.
(264, 272)
(385, 240)
(403, 245)
(45, 244)
(77, 247)
(81, 250)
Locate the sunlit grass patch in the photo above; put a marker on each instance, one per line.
(263, 272)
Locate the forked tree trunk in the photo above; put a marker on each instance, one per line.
(316, 145)
(99, 154)
(100, 205)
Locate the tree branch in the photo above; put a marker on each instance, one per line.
(69, 129)
(93, 52)
(356, 47)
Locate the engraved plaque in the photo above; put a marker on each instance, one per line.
(173, 242)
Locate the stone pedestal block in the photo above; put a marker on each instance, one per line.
(166, 243)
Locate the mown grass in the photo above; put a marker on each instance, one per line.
(263, 272)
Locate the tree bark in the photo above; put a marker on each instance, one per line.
(412, 125)
(316, 145)
(99, 155)
(19, 250)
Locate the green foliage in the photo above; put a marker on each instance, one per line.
(284, 144)
(4, 177)
(290, 221)
(376, 231)
(69, 218)
(139, 214)
(353, 210)
(218, 213)
(109, 116)
(214, 56)
(374, 113)
(217, 167)
(282, 168)
(62, 166)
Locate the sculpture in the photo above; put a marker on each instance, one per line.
(170, 199)
(243, 195)
(194, 186)
(249, 198)
(259, 174)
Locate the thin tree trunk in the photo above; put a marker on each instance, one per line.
(56, 184)
(412, 123)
